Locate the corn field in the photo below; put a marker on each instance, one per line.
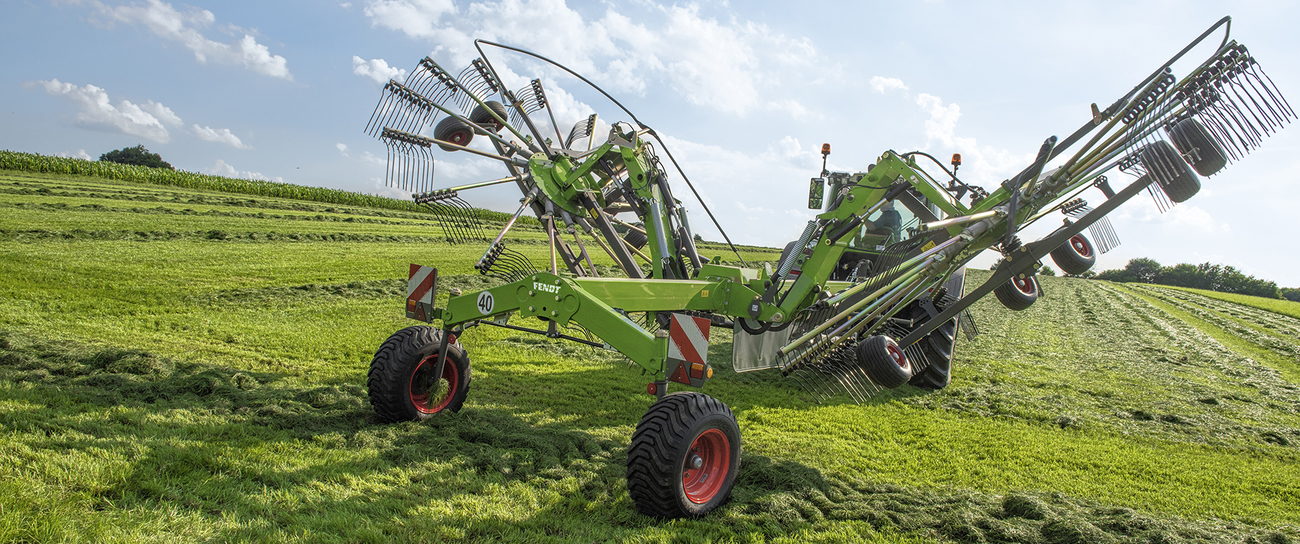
(31, 162)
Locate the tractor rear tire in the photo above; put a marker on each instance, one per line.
(455, 131)
(1163, 163)
(1197, 144)
(636, 238)
(938, 349)
(1017, 294)
(481, 117)
(884, 361)
(684, 456)
(401, 384)
(1075, 256)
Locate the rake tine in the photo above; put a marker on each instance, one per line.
(1242, 79)
(1261, 126)
(1274, 92)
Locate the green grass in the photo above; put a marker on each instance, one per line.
(196, 388)
(1280, 306)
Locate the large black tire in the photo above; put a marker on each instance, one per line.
(481, 117)
(455, 131)
(938, 349)
(684, 456)
(1075, 256)
(1163, 163)
(401, 384)
(636, 238)
(1198, 146)
(1018, 294)
(884, 362)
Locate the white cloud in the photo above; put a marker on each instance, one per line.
(882, 84)
(724, 65)
(221, 168)
(376, 69)
(96, 109)
(169, 23)
(342, 147)
(223, 136)
(80, 154)
(987, 164)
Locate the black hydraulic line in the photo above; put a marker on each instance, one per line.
(634, 119)
(543, 333)
(1024, 259)
(941, 166)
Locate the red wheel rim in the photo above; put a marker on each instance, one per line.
(706, 466)
(458, 138)
(427, 394)
(1080, 245)
(1025, 285)
(897, 355)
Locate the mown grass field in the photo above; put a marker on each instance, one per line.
(179, 365)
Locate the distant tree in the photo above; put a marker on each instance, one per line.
(1290, 293)
(699, 238)
(138, 156)
(1143, 270)
(1046, 271)
(1120, 275)
(1088, 274)
(1182, 275)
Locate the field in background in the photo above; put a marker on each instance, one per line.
(180, 365)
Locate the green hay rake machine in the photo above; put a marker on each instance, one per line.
(869, 297)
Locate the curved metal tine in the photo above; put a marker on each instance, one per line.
(1243, 79)
(1226, 105)
(1221, 134)
(473, 226)
(477, 81)
(378, 117)
(431, 81)
(1275, 92)
(1261, 125)
(1226, 121)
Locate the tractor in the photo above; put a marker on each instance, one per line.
(869, 297)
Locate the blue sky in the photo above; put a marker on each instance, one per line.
(745, 92)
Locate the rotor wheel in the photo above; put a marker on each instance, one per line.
(636, 238)
(1163, 163)
(401, 382)
(684, 456)
(1075, 256)
(883, 360)
(453, 131)
(1197, 144)
(1018, 293)
(483, 118)
(938, 347)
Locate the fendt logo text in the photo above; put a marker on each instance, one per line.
(547, 288)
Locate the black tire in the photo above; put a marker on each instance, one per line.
(884, 362)
(1198, 146)
(1075, 256)
(1017, 294)
(1163, 163)
(399, 379)
(482, 118)
(938, 347)
(675, 431)
(636, 238)
(455, 131)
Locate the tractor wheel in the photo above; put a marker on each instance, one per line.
(481, 117)
(1170, 171)
(884, 362)
(684, 456)
(402, 387)
(455, 131)
(1018, 294)
(1196, 143)
(1075, 256)
(938, 348)
(636, 238)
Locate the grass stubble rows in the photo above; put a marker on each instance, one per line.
(196, 387)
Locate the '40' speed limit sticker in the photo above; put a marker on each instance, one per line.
(485, 303)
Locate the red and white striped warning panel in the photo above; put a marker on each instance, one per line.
(688, 350)
(420, 285)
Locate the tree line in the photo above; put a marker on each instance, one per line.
(1207, 276)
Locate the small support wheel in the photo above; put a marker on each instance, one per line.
(1075, 256)
(401, 382)
(1202, 150)
(884, 361)
(1166, 166)
(684, 456)
(1018, 293)
(481, 117)
(454, 131)
(636, 238)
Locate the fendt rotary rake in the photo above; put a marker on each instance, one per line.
(869, 297)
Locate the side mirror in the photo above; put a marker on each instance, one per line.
(816, 193)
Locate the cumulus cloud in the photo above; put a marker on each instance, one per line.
(80, 154)
(882, 84)
(221, 168)
(169, 23)
(376, 69)
(724, 65)
(342, 147)
(222, 136)
(987, 164)
(148, 121)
